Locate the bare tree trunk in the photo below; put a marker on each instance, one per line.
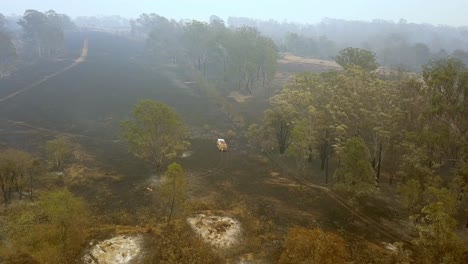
(380, 161)
(258, 71)
(224, 68)
(263, 78)
(31, 186)
(282, 135)
(5, 196)
(18, 189)
(327, 157)
(172, 209)
(204, 67)
(309, 158)
(252, 82)
(247, 84)
(322, 156)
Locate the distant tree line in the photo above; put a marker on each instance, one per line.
(242, 57)
(8, 54)
(43, 33)
(396, 44)
(34, 35)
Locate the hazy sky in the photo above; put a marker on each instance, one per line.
(449, 12)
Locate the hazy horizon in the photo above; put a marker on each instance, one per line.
(450, 12)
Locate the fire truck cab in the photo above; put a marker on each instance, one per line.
(221, 144)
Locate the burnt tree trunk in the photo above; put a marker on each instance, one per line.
(263, 78)
(309, 158)
(282, 135)
(326, 162)
(31, 186)
(322, 156)
(380, 162)
(5, 196)
(172, 209)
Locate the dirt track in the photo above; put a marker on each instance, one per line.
(79, 60)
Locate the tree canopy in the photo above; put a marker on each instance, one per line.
(356, 57)
(58, 150)
(45, 31)
(8, 53)
(156, 133)
(355, 173)
(16, 172)
(51, 230)
(174, 187)
(241, 57)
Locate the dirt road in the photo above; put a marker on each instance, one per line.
(79, 60)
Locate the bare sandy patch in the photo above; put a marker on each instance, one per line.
(239, 97)
(274, 174)
(187, 154)
(219, 231)
(292, 59)
(120, 249)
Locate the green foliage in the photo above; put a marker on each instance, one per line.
(173, 188)
(320, 47)
(461, 180)
(398, 53)
(16, 171)
(325, 110)
(231, 134)
(45, 31)
(58, 150)
(435, 226)
(447, 82)
(411, 196)
(241, 57)
(51, 230)
(7, 53)
(260, 136)
(156, 133)
(355, 173)
(279, 122)
(461, 55)
(313, 246)
(356, 57)
(418, 128)
(7, 50)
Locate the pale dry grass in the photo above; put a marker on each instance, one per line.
(240, 98)
(120, 249)
(292, 59)
(219, 231)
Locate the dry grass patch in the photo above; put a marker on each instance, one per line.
(240, 98)
(120, 249)
(219, 231)
(292, 59)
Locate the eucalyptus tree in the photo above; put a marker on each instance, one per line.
(155, 133)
